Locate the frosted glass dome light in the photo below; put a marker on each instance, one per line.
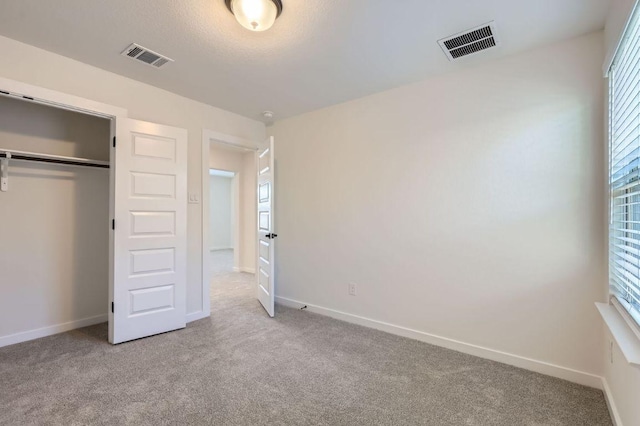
(255, 15)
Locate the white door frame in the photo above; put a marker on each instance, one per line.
(55, 99)
(209, 136)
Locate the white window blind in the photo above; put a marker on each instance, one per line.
(624, 139)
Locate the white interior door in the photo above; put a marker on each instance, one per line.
(150, 239)
(265, 278)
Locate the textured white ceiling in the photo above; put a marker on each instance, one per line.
(318, 53)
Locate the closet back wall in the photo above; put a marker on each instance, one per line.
(55, 236)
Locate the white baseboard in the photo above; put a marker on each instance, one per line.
(548, 369)
(220, 248)
(194, 316)
(24, 336)
(613, 410)
(244, 269)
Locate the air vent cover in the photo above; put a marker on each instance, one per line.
(469, 42)
(142, 54)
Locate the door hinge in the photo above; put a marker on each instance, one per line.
(114, 141)
(113, 224)
(111, 307)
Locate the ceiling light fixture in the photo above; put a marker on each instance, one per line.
(255, 15)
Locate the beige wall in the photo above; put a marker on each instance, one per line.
(144, 102)
(468, 206)
(55, 220)
(243, 164)
(622, 378)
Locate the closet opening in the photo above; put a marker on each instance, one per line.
(55, 208)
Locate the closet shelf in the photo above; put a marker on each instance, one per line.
(49, 158)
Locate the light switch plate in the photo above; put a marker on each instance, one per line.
(194, 198)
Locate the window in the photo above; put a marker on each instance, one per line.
(624, 170)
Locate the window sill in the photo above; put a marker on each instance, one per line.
(624, 336)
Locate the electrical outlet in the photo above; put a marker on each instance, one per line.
(353, 289)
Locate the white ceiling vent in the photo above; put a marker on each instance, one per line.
(470, 41)
(142, 54)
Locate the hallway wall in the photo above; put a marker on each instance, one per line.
(242, 163)
(221, 213)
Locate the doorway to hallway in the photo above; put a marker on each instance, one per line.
(231, 236)
(251, 168)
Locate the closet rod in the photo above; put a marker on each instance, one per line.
(56, 159)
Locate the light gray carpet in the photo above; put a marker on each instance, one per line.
(241, 368)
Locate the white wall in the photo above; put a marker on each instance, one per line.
(242, 163)
(36, 66)
(221, 210)
(55, 221)
(467, 206)
(622, 379)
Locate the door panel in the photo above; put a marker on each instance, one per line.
(265, 277)
(150, 224)
(150, 230)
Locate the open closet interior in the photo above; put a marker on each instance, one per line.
(54, 218)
